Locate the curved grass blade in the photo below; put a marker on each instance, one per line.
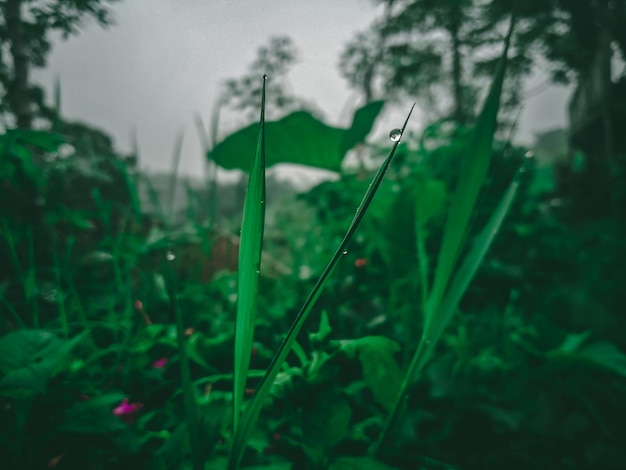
(251, 413)
(249, 268)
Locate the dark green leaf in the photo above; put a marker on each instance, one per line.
(298, 138)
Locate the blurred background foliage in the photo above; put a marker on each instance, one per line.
(531, 374)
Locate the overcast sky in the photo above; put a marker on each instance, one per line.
(163, 61)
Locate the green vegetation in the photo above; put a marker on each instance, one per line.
(454, 304)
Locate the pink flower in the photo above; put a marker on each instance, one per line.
(159, 363)
(127, 411)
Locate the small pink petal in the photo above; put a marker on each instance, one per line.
(125, 408)
(159, 363)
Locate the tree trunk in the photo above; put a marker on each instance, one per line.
(18, 94)
(459, 113)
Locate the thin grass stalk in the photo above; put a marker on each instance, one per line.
(31, 284)
(57, 277)
(189, 394)
(252, 411)
(213, 197)
(249, 265)
(178, 147)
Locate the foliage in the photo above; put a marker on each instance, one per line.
(25, 36)
(128, 342)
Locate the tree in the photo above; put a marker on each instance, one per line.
(25, 29)
(438, 50)
(243, 95)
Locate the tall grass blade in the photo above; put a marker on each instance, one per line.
(448, 306)
(189, 394)
(249, 267)
(444, 297)
(251, 413)
(471, 262)
(471, 178)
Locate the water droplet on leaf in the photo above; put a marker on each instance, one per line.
(345, 251)
(170, 256)
(395, 135)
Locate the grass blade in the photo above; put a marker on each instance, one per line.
(253, 410)
(443, 301)
(189, 394)
(448, 306)
(249, 267)
(472, 261)
(471, 178)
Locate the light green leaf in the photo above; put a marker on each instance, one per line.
(250, 246)
(381, 372)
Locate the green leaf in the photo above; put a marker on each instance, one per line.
(381, 372)
(94, 416)
(324, 329)
(362, 124)
(46, 141)
(605, 355)
(29, 358)
(298, 138)
(250, 246)
(326, 421)
(573, 341)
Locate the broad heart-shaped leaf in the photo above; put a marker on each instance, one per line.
(299, 138)
(381, 372)
(28, 358)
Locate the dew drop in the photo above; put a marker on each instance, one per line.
(529, 154)
(395, 135)
(170, 256)
(345, 251)
(265, 77)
